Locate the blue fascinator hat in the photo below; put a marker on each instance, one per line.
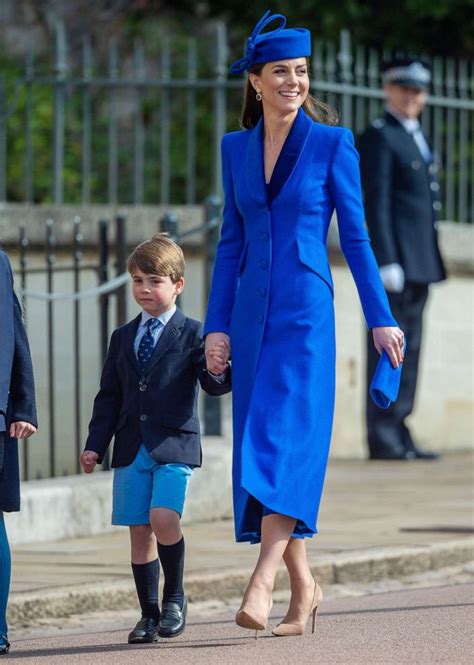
(279, 44)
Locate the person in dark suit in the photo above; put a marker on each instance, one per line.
(17, 420)
(402, 204)
(148, 401)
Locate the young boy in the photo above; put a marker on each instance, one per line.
(147, 400)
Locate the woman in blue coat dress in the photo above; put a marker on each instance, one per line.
(271, 301)
(17, 420)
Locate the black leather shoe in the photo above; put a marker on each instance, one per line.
(4, 645)
(391, 454)
(173, 619)
(144, 632)
(423, 454)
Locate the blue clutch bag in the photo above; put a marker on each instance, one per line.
(385, 383)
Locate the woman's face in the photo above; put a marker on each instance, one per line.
(283, 84)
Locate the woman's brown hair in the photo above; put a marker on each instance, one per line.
(252, 109)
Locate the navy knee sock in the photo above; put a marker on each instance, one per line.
(146, 582)
(5, 569)
(172, 562)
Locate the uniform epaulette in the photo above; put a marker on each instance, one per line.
(378, 123)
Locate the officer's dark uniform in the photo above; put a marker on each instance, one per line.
(402, 204)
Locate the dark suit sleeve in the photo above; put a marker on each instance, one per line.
(107, 404)
(210, 385)
(7, 335)
(22, 404)
(376, 163)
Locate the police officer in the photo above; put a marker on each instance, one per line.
(402, 204)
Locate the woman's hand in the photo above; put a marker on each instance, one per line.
(390, 339)
(21, 430)
(217, 352)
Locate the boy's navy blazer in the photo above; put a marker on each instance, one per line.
(157, 406)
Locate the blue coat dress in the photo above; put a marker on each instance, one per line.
(17, 394)
(272, 292)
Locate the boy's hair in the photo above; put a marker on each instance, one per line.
(158, 256)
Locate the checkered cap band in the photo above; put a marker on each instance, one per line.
(414, 73)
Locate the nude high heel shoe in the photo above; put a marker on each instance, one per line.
(289, 629)
(245, 619)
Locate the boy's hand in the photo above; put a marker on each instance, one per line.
(21, 430)
(218, 355)
(216, 361)
(88, 460)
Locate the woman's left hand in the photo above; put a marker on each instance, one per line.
(390, 339)
(21, 430)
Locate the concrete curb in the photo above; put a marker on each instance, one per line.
(341, 568)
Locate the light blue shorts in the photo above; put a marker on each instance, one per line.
(143, 485)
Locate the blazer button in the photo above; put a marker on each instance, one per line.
(142, 387)
(143, 417)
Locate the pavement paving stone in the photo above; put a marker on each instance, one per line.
(369, 511)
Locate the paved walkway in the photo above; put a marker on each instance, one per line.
(366, 505)
(413, 627)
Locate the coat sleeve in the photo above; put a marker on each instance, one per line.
(22, 404)
(344, 183)
(107, 404)
(376, 165)
(7, 335)
(226, 275)
(208, 383)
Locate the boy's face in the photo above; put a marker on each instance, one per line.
(155, 293)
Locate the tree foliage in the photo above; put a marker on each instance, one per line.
(434, 27)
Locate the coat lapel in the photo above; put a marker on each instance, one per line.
(296, 141)
(254, 171)
(254, 166)
(169, 335)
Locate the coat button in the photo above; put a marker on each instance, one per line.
(263, 264)
(437, 206)
(434, 186)
(264, 236)
(143, 417)
(261, 318)
(416, 165)
(261, 291)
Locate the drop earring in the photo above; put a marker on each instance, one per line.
(258, 96)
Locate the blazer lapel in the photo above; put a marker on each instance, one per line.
(169, 335)
(130, 334)
(254, 171)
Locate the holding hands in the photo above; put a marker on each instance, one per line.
(217, 352)
(391, 340)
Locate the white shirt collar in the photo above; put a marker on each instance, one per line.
(410, 124)
(163, 318)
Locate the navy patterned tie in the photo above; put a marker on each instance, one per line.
(147, 343)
